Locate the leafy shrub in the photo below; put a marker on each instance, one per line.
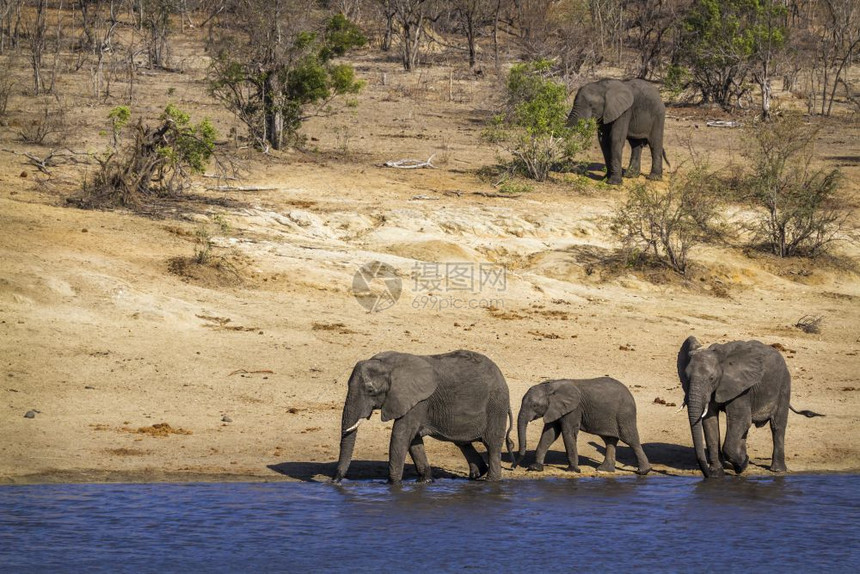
(801, 211)
(532, 128)
(664, 224)
(158, 161)
(272, 90)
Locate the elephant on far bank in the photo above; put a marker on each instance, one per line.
(747, 380)
(602, 406)
(628, 110)
(460, 397)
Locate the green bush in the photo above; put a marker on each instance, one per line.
(532, 128)
(157, 161)
(273, 91)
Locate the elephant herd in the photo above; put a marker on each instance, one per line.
(462, 397)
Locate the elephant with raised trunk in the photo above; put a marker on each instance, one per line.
(602, 406)
(747, 380)
(459, 397)
(625, 111)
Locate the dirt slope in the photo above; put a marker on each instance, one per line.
(106, 329)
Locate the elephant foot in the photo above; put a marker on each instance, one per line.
(715, 471)
(614, 180)
(642, 471)
(536, 467)
(573, 468)
(778, 467)
(606, 467)
(739, 468)
(655, 176)
(425, 478)
(632, 174)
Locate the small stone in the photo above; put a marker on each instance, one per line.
(30, 415)
(226, 419)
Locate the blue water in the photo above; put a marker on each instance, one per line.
(657, 523)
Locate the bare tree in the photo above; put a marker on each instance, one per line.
(37, 31)
(472, 16)
(411, 17)
(838, 43)
(651, 25)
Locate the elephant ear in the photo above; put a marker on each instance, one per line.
(562, 399)
(412, 380)
(743, 367)
(618, 100)
(690, 345)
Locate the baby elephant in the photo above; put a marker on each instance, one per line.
(600, 406)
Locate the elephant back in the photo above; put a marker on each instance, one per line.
(607, 405)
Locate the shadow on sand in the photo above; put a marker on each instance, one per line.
(358, 470)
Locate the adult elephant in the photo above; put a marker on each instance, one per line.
(625, 111)
(602, 406)
(747, 380)
(459, 397)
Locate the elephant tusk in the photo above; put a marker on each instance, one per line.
(681, 408)
(353, 427)
(704, 413)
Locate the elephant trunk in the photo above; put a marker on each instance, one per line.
(347, 444)
(522, 424)
(573, 117)
(354, 412)
(695, 410)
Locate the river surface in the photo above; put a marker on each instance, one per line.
(794, 523)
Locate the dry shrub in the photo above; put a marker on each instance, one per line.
(159, 161)
(802, 211)
(657, 225)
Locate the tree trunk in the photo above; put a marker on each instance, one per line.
(274, 116)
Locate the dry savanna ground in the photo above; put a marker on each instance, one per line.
(139, 364)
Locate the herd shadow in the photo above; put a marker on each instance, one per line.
(672, 456)
(358, 470)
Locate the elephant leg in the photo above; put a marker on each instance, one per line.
(777, 431)
(631, 437)
(655, 142)
(738, 421)
(604, 137)
(419, 457)
(570, 432)
(494, 459)
(617, 139)
(608, 464)
(711, 427)
(549, 436)
(402, 436)
(477, 466)
(634, 168)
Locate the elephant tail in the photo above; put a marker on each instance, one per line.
(666, 159)
(807, 414)
(508, 442)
